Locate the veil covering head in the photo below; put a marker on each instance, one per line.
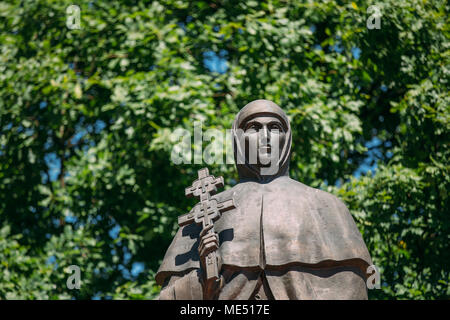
(246, 170)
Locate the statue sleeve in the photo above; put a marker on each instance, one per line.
(182, 287)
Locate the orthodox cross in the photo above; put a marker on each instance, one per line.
(205, 213)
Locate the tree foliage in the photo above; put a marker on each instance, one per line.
(86, 116)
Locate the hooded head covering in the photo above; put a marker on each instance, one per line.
(254, 109)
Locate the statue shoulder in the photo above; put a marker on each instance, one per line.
(315, 194)
(227, 194)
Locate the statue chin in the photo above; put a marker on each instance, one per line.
(266, 159)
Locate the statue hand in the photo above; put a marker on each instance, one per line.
(208, 242)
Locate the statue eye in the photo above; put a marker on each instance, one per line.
(275, 126)
(252, 127)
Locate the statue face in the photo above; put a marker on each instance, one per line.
(265, 137)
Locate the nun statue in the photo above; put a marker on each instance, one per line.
(280, 240)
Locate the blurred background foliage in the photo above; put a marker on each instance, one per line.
(86, 117)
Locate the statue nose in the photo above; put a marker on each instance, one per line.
(264, 135)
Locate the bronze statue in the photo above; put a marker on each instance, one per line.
(268, 237)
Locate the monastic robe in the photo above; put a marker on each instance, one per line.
(301, 238)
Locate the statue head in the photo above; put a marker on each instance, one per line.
(262, 141)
